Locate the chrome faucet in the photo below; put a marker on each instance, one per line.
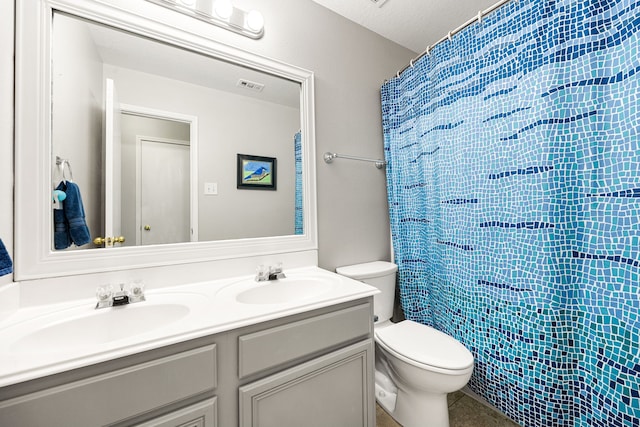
(108, 298)
(264, 273)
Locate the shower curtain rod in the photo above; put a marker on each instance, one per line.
(328, 158)
(477, 18)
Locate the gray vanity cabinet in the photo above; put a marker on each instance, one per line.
(309, 369)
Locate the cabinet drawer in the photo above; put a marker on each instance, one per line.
(117, 395)
(203, 414)
(277, 346)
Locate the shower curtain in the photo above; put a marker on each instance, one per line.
(513, 177)
(298, 215)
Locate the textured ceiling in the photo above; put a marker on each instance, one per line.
(414, 24)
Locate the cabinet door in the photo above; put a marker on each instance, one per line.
(201, 414)
(332, 390)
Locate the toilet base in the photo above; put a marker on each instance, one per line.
(416, 409)
(386, 391)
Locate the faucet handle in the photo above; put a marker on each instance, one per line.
(104, 295)
(135, 290)
(262, 273)
(104, 292)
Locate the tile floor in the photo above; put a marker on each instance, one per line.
(464, 411)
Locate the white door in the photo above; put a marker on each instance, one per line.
(164, 196)
(112, 163)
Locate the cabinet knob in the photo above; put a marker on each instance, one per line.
(147, 227)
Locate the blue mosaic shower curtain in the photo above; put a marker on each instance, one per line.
(514, 190)
(298, 217)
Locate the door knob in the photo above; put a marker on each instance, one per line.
(147, 227)
(108, 241)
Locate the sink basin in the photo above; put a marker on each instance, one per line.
(85, 326)
(282, 291)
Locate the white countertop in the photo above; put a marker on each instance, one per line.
(29, 351)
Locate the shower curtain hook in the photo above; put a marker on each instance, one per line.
(411, 63)
(479, 17)
(449, 35)
(398, 74)
(427, 51)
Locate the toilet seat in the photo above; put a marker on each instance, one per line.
(424, 346)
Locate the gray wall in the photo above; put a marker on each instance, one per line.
(350, 64)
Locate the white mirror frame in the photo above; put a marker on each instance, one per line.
(34, 257)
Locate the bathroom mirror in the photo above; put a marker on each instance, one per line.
(147, 120)
(176, 120)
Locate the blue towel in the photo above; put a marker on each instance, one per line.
(61, 237)
(69, 222)
(74, 212)
(6, 266)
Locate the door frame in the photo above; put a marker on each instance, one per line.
(192, 121)
(112, 152)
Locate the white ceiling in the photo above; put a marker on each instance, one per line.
(414, 24)
(122, 49)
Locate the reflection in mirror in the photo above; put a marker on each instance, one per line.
(152, 132)
(157, 209)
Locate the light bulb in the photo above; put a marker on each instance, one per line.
(223, 8)
(255, 21)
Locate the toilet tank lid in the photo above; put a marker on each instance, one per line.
(367, 270)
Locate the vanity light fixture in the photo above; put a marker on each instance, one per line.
(222, 14)
(223, 9)
(255, 20)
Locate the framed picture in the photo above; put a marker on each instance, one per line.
(256, 172)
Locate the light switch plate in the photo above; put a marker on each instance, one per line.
(210, 188)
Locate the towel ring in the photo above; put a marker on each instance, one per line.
(63, 166)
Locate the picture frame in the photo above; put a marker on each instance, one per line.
(256, 172)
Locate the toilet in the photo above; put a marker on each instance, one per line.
(416, 365)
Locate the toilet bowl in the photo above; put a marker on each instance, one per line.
(416, 365)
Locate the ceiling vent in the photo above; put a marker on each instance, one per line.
(379, 3)
(247, 84)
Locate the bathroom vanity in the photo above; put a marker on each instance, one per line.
(310, 364)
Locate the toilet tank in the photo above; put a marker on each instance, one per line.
(379, 274)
